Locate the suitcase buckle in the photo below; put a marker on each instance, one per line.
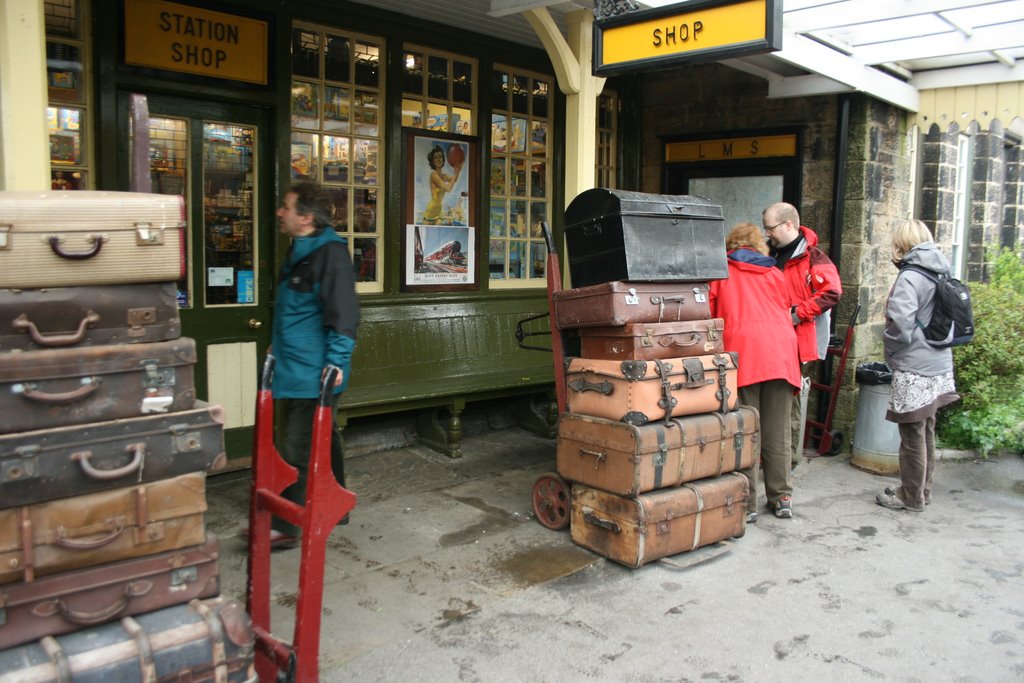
(146, 234)
(5, 236)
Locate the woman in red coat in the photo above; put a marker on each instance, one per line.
(754, 304)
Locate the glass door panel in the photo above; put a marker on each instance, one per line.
(169, 172)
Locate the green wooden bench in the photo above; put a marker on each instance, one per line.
(435, 358)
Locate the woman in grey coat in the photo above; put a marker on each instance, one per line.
(922, 379)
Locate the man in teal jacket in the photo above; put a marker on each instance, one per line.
(316, 313)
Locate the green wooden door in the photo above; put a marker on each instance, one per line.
(217, 156)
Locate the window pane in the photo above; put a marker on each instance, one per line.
(367, 64)
(69, 180)
(538, 213)
(540, 98)
(437, 116)
(305, 53)
(339, 207)
(412, 75)
(305, 105)
(497, 177)
(168, 170)
(462, 82)
(437, 78)
(336, 159)
(497, 220)
(412, 113)
(64, 72)
(366, 112)
(364, 259)
(517, 177)
(538, 179)
(539, 138)
(364, 157)
(520, 90)
(337, 59)
(499, 90)
(496, 259)
(305, 159)
(366, 210)
(517, 136)
(462, 121)
(61, 18)
(518, 259)
(517, 220)
(499, 133)
(337, 110)
(65, 130)
(539, 259)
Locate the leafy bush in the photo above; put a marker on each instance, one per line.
(990, 370)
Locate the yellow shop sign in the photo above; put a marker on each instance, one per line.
(686, 33)
(724, 149)
(173, 37)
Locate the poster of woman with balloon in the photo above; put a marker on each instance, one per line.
(440, 211)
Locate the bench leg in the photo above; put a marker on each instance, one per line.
(538, 416)
(434, 435)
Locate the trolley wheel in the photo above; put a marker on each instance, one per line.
(835, 445)
(551, 501)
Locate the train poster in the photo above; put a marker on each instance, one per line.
(439, 245)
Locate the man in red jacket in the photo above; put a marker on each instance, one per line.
(812, 283)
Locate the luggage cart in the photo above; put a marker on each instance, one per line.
(326, 503)
(551, 493)
(830, 441)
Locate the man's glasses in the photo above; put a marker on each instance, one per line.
(767, 229)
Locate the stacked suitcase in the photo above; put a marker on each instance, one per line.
(653, 438)
(104, 448)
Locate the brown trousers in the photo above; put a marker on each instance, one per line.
(772, 399)
(917, 462)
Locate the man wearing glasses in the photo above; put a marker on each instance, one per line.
(812, 282)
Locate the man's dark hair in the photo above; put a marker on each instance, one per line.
(311, 198)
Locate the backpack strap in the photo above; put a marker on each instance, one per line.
(931, 275)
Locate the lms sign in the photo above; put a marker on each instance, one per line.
(686, 33)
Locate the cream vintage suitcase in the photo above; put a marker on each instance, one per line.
(55, 239)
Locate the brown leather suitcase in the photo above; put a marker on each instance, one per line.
(619, 303)
(199, 642)
(636, 530)
(60, 239)
(88, 530)
(71, 461)
(55, 387)
(641, 391)
(628, 460)
(88, 316)
(69, 601)
(648, 341)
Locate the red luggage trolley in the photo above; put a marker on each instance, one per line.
(326, 503)
(830, 442)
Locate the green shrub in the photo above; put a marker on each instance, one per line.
(990, 370)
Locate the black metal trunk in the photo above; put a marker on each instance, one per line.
(618, 235)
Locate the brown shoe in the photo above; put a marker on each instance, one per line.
(893, 502)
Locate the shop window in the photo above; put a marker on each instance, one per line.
(438, 91)
(607, 132)
(519, 178)
(67, 115)
(337, 136)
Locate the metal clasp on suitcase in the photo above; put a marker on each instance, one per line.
(148, 235)
(631, 297)
(22, 466)
(5, 235)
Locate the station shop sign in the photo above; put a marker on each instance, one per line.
(192, 40)
(686, 33)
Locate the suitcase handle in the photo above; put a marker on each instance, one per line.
(23, 323)
(74, 544)
(83, 458)
(89, 385)
(97, 244)
(590, 518)
(599, 456)
(582, 385)
(673, 342)
(134, 589)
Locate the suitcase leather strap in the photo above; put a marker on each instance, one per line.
(723, 393)
(22, 322)
(59, 659)
(721, 442)
(660, 456)
(737, 439)
(147, 662)
(697, 515)
(218, 649)
(667, 401)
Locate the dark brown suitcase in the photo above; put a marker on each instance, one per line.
(201, 642)
(69, 601)
(641, 391)
(101, 527)
(33, 319)
(622, 235)
(636, 530)
(70, 461)
(647, 341)
(619, 303)
(628, 460)
(55, 387)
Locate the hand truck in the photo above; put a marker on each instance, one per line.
(326, 503)
(830, 441)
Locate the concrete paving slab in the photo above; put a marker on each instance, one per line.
(845, 591)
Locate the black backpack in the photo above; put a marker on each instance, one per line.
(952, 322)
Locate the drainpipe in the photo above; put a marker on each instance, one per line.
(835, 239)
